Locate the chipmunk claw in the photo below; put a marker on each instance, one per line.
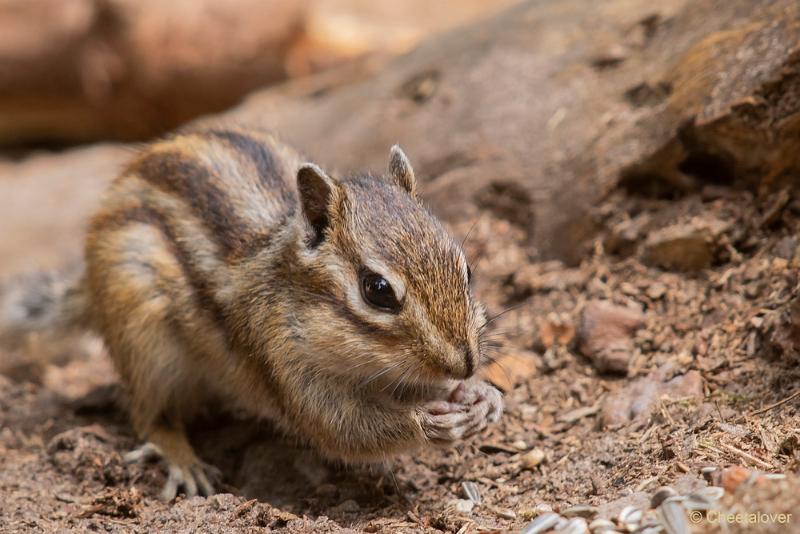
(192, 479)
(145, 453)
(470, 408)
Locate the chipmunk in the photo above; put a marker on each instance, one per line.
(221, 267)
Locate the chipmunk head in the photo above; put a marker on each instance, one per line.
(398, 302)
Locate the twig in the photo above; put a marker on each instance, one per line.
(746, 456)
(776, 404)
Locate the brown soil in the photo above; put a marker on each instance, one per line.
(664, 343)
(63, 435)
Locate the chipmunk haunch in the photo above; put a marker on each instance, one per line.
(220, 267)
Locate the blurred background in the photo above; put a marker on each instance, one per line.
(86, 70)
(78, 77)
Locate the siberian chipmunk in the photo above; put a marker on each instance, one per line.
(220, 266)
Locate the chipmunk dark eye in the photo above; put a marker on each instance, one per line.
(378, 292)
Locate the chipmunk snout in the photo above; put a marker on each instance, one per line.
(460, 363)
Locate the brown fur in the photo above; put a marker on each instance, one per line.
(208, 278)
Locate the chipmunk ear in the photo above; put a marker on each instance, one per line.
(401, 171)
(317, 192)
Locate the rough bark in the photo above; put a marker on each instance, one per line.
(84, 70)
(541, 110)
(98, 69)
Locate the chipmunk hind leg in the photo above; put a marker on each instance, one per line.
(163, 394)
(139, 289)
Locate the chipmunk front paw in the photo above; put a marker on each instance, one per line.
(471, 406)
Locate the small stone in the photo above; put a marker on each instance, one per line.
(505, 513)
(684, 247)
(520, 445)
(605, 335)
(511, 369)
(580, 510)
(543, 508)
(637, 400)
(532, 458)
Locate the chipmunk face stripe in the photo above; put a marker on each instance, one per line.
(180, 174)
(319, 287)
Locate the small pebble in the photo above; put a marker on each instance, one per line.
(520, 445)
(505, 513)
(532, 458)
(580, 510)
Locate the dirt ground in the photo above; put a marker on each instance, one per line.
(708, 378)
